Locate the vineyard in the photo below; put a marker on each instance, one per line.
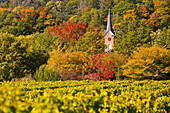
(85, 96)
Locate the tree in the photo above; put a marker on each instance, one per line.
(93, 17)
(160, 18)
(3, 14)
(11, 19)
(40, 21)
(72, 61)
(129, 42)
(94, 4)
(118, 60)
(22, 28)
(68, 32)
(53, 9)
(35, 58)
(9, 29)
(121, 7)
(12, 58)
(92, 42)
(45, 74)
(29, 16)
(148, 63)
(16, 60)
(101, 70)
(161, 38)
(72, 7)
(131, 33)
(144, 12)
(41, 41)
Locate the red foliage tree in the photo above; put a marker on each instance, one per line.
(101, 71)
(69, 31)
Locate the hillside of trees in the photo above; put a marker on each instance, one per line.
(64, 39)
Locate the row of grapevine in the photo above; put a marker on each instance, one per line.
(85, 96)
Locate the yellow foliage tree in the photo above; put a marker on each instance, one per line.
(149, 63)
(70, 61)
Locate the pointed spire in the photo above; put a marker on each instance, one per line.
(109, 23)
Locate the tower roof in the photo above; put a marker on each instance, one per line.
(109, 24)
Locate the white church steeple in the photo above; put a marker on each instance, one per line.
(109, 34)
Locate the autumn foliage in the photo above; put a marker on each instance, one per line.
(28, 15)
(99, 70)
(73, 61)
(69, 31)
(130, 14)
(160, 17)
(150, 63)
(144, 11)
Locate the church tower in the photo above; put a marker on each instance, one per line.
(109, 35)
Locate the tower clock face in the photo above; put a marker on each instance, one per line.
(109, 39)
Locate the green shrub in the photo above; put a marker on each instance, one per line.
(46, 74)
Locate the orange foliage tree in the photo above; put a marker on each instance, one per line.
(28, 15)
(42, 14)
(37, 19)
(69, 31)
(144, 11)
(3, 12)
(130, 14)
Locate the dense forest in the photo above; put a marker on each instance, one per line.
(64, 39)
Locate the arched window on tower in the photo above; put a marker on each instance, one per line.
(109, 47)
